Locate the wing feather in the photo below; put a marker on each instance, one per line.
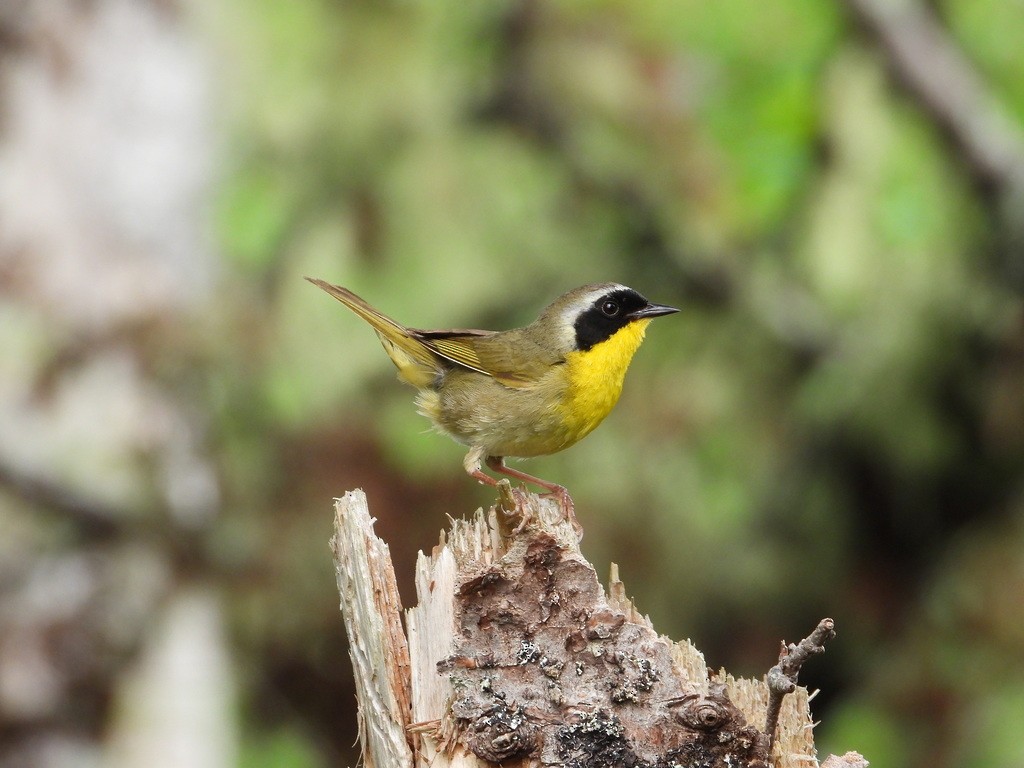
(511, 357)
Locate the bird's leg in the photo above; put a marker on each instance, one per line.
(472, 465)
(497, 463)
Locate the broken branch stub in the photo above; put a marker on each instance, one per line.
(519, 657)
(377, 646)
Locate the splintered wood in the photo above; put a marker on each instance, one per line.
(377, 647)
(516, 656)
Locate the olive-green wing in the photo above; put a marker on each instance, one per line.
(508, 356)
(420, 355)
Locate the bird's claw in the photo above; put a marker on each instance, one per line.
(568, 508)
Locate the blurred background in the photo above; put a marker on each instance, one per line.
(833, 426)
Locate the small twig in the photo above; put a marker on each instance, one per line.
(781, 678)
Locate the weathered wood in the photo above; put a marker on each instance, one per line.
(516, 655)
(377, 647)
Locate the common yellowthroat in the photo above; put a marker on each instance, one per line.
(525, 392)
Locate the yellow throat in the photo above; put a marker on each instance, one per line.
(595, 379)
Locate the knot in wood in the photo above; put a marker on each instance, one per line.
(712, 712)
(723, 737)
(501, 732)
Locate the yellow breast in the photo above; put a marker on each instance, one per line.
(595, 379)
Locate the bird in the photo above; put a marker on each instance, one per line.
(524, 392)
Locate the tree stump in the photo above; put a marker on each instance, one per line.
(516, 656)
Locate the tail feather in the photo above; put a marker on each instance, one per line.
(416, 363)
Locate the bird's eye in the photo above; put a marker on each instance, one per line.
(610, 308)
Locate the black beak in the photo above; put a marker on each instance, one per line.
(654, 310)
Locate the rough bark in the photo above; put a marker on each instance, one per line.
(517, 656)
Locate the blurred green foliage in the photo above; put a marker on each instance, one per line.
(837, 410)
(279, 750)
